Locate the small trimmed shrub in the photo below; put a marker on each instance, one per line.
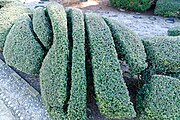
(8, 16)
(163, 54)
(136, 5)
(168, 8)
(21, 49)
(77, 103)
(159, 100)
(175, 31)
(42, 27)
(111, 91)
(53, 73)
(128, 46)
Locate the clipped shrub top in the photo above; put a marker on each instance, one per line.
(128, 46)
(137, 5)
(53, 73)
(168, 8)
(175, 31)
(159, 100)
(111, 92)
(42, 27)
(163, 53)
(21, 49)
(77, 103)
(8, 16)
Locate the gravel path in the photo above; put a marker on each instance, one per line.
(143, 25)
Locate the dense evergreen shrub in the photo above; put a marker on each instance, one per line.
(77, 103)
(111, 92)
(5, 2)
(136, 5)
(53, 73)
(175, 31)
(163, 53)
(168, 8)
(21, 49)
(128, 45)
(159, 100)
(8, 15)
(42, 27)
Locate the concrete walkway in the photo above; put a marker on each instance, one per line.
(18, 100)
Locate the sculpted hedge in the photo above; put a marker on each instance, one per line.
(159, 100)
(21, 49)
(76, 51)
(8, 16)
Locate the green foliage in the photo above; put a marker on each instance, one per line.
(128, 46)
(175, 31)
(8, 16)
(53, 73)
(163, 53)
(21, 48)
(5, 2)
(136, 5)
(42, 27)
(77, 103)
(168, 8)
(159, 100)
(111, 92)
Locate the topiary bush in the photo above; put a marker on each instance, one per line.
(163, 54)
(77, 102)
(111, 92)
(53, 73)
(159, 100)
(8, 16)
(136, 5)
(128, 46)
(168, 8)
(175, 31)
(21, 49)
(42, 27)
(82, 63)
